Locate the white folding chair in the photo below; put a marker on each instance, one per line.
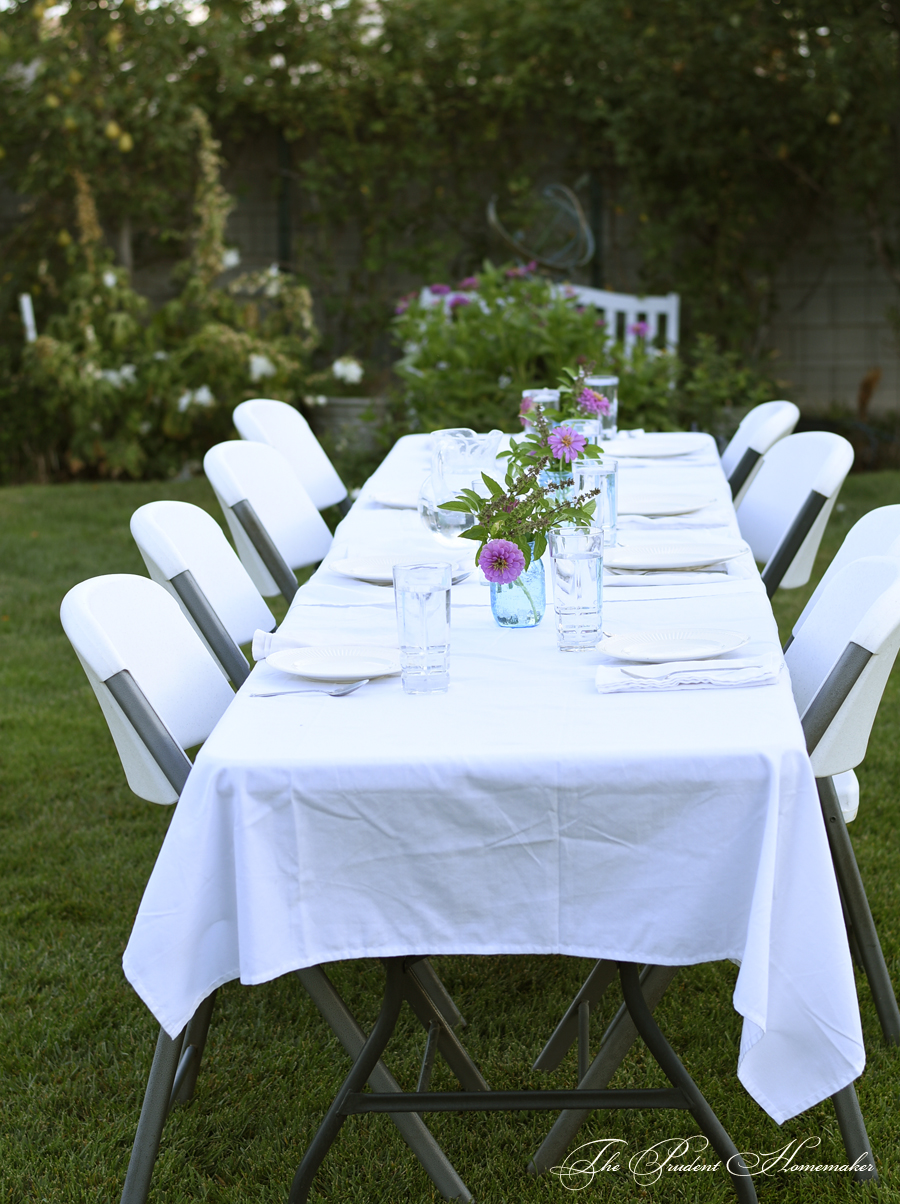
(284, 428)
(275, 525)
(786, 508)
(875, 534)
(186, 552)
(161, 692)
(839, 661)
(759, 430)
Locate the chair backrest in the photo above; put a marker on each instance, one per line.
(159, 689)
(785, 510)
(840, 659)
(876, 534)
(284, 428)
(274, 523)
(186, 551)
(760, 430)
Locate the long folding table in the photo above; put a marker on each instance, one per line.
(520, 812)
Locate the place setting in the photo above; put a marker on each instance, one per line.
(683, 658)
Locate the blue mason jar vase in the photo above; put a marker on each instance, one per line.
(522, 602)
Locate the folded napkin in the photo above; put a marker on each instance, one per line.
(267, 642)
(724, 673)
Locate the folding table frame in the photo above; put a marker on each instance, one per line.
(683, 1094)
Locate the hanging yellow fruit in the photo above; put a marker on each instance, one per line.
(112, 130)
(126, 142)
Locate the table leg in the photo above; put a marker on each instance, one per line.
(679, 1077)
(617, 1040)
(359, 1074)
(412, 1128)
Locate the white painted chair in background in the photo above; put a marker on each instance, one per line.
(274, 523)
(186, 552)
(786, 508)
(623, 313)
(263, 420)
(759, 431)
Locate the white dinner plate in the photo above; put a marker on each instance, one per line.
(664, 443)
(671, 644)
(662, 505)
(396, 501)
(348, 662)
(379, 570)
(672, 555)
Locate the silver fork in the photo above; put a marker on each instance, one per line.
(335, 692)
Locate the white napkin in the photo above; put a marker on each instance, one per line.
(723, 673)
(266, 642)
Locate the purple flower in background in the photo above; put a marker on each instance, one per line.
(566, 443)
(591, 402)
(525, 408)
(640, 330)
(522, 271)
(439, 290)
(501, 561)
(403, 304)
(457, 300)
(469, 282)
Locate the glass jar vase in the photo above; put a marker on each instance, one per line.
(521, 603)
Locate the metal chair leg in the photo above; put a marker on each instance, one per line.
(192, 1052)
(853, 894)
(853, 1131)
(153, 1116)
(617, 1040)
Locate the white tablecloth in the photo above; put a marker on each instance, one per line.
(521, 812)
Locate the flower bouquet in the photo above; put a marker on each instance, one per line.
(513, 517)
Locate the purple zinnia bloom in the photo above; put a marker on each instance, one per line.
(439, 290)
(469, 282)
(639, 330)
(590, 402)
(566, 443)
(457, 300)
(501, 561)
(401, 307)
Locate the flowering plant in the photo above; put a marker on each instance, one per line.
(576, 400)
(514, 517)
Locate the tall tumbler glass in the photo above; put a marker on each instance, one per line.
(608, 388)
(600, 477)
(422, 599)
(576, 556)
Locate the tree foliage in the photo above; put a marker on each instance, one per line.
(719, 131)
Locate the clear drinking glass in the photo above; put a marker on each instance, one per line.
(602, 475)
(422, 599)
(608, 386)
(576, 556)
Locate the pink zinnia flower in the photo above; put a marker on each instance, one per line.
(469, 282)
(439, 290)
(566, 443)
(457, 300)
(590, 402)
(639, 330)
(501, 561)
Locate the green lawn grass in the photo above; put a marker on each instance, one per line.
(76, 848)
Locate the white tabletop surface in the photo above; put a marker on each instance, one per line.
(520, 812)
